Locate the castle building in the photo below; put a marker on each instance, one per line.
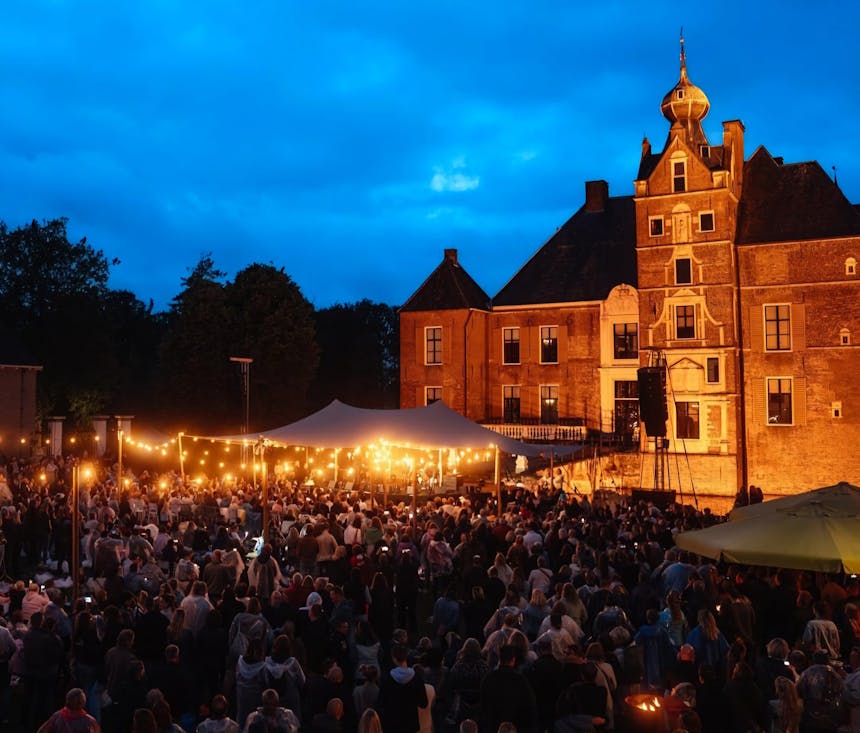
(739, 277)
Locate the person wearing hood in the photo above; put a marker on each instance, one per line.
(284, 673)
(401, 694)
(72, 717)
(250, 680)
(264, 573)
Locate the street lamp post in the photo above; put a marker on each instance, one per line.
(244, 363)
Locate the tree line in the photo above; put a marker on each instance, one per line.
(105, 351)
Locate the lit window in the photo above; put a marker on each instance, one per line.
(687, 420)
(713, 370)
(845, 337)
(779, 401)
(777, 327)
(679, 176)
(511, 403)
(706, 221)
(626, 406)
(626, 340)
(836, 409)
(549, 344)
(549, 404)
(685, 321)
(655, 226)
(683, 271)
(432, 394)
(850, 266)
(511, 338)
(433, 345)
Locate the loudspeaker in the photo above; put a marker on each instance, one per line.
(652, 400)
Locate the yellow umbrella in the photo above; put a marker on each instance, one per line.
(811, 533)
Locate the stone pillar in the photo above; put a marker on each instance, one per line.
(100, 430)
(55, 426)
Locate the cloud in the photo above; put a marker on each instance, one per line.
(453, 179)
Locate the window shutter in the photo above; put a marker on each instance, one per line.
(799, 398)
(756, 328)
(759, 401)
(419, 346)
(798, 327)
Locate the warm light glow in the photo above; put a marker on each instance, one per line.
(96, 438)
(72, 440)
(221, 464)
(162, 485)
(43, 477)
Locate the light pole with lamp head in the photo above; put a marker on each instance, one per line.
(244, 363)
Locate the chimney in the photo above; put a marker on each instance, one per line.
(451, 254)
(646, 147)
(596, 195)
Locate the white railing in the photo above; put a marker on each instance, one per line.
(539, 433)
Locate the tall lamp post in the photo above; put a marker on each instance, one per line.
(75, 569)
(244, 363)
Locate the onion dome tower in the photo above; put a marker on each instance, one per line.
(685, 106)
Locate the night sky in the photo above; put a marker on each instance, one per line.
(350, 142)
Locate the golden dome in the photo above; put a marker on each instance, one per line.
(685, 102)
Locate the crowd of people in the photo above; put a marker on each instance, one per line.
(552, 612)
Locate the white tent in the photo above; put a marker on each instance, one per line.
(435, 426)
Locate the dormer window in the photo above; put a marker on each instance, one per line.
(705, 151)
(679, 94)
(679, 176)
(850, 266)
(844, 337)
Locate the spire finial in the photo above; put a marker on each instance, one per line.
(683, 52)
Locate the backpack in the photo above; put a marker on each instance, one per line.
(242, 640)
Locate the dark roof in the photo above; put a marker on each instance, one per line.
(13, 352)
(592, 253)
(449, 287)
(791, 202)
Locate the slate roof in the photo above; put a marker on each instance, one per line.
(588, 256)
(449, 287)
(13, 352)
(791, 202)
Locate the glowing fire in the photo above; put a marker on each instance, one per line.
(649, 706)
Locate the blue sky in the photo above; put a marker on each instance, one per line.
(351, 142)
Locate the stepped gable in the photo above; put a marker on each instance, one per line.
(449, 287)
(594, 251)
(791, 202)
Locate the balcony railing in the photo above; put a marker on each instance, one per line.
(539, 433)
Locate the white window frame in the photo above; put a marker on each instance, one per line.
(698, 419)
(682, 162)
(516, 394)
(707, 371)
(764, 308)
(675, 321)
(427, 389)
(851, 266)
(675, 263)
(549, 396)
(713, 221)
(767, 382)
(541, 340)
(519, 343)
(651, 220)
(427, 361)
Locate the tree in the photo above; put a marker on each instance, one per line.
(359, 355)
(263, 315)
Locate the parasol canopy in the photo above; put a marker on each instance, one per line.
(818, 530)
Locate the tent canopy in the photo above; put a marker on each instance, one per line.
(435, 426)
(817, 530)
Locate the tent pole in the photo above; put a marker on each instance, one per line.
(265, 479)
(335, 469)
(497, 478)
(439, 488)
(181, 458)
